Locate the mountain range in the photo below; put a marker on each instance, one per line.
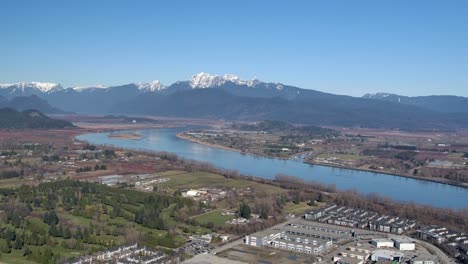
(229, 97)
(439, 103)
(22, 103)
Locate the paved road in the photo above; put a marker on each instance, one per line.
(443, 258)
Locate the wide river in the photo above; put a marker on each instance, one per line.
(395, 187)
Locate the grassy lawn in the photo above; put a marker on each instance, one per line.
(78, 220)
(297, 209)
(171, 173)
(343, 156)
(216, 217)
(15, 257)
(197, 180)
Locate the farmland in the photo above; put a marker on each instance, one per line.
(436, 156)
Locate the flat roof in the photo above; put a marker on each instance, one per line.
(388, 253)
(266, 232)
(314, 232)
(318, 240)
(403, 240)
(349, 260)
(382, 240)
(298, 243)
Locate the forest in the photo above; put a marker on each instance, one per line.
(12, 119)
(57, 220)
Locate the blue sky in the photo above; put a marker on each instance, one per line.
(344, 47)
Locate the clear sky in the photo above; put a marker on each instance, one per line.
(344, 47)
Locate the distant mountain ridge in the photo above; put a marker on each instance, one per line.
(33, 119)
(439, 103)
(230, 97)
(32, 102)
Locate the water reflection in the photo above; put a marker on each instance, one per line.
(399, 188)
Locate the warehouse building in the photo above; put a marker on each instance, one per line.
(387, 255)
(263, 238)
(299, 237)
(382, 242)
(404, 243)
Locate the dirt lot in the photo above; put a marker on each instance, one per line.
(251, 254)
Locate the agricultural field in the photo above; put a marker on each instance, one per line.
(437, 156)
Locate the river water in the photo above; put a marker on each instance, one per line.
(395, 187)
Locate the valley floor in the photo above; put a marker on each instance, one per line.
(438, 157)
(109, 205)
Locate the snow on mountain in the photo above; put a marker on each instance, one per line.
(82, 88)
(200, 80)
(151, 86)
(42, 87)
(5, 85)
(205, 80)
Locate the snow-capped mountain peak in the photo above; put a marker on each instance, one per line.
(5, 85)
(42, 87)
(82, 88)
(205, 80)
(153, 86)
(254, 81)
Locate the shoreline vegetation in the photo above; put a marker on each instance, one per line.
(435, 180)
(442, 181)
(329, 194)
(182, 136)
(119, 213)
(128, 136)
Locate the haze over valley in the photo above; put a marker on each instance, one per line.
(233, 132)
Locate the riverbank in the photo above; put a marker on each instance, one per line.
(182, 136)
(435, 180)
(129, 136)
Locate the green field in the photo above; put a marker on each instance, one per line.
(15, 257)
(197, 180)
(10, 183)
(216, 217)
(297, 209)
(343, 156)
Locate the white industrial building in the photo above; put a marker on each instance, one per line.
(347, 260)
(298, 237)
(424, 260)
(382, 242)
(263, 238)
(404, 243)
(387, 255)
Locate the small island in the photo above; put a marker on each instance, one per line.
(130, 136)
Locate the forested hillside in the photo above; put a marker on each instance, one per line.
(12, 119)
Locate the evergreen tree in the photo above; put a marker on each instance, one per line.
(244, 211)
(67, 233)
(18, 243)
(26, 251)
